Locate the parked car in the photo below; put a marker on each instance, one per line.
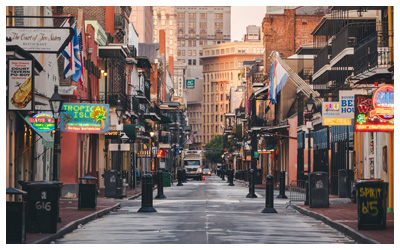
(206, 171)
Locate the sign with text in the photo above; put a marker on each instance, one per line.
(346, 100)
(20, 85)
(40, 39)
(85, 118)
(331, 115)
(375, 113)
(43, 122)
(190, 83)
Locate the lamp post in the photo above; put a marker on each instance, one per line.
(310, 105)
(119, 110)
(55, 104)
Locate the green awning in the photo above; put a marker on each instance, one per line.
(47, 140)
(165, 119)
(130, 131)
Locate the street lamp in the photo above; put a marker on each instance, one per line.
(55, 104)
(310, 105)
(119, 110)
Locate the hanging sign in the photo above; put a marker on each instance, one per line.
(20, 85)
(40, 39)
(190, 83)
(331, 114)
(375, 113)
(346, 100)
(85, 118)
(42, 122)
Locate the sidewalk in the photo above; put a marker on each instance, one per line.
(342, 215)
(71, 217)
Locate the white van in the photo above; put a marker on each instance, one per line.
(192, 162)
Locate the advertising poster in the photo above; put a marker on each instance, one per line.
(331, 115)
(85, 118)
(20, 85)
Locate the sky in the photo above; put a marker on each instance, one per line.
(243, 16)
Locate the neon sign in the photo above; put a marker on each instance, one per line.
(42, 122)
(85, 118)
(375, 113)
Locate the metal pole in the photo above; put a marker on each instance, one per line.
(309, 151)
(57, 151)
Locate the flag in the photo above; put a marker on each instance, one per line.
(69, 65)
(72, 63)
(77, 58)
(278, 78)
(80, 54)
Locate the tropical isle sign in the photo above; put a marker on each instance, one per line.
(85, 118)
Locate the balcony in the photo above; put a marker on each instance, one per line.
(306, 74)
(322, 58)
(347, 38)
(372, 53)
(114, 97)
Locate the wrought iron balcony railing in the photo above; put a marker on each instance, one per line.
(322, 58)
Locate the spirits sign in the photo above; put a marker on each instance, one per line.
(375, 113)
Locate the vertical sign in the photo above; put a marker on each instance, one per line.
(180, 86)
(20, 85)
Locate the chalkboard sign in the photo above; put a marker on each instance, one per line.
(371, 203)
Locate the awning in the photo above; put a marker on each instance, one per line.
(130, 131)
(152, 116)
(165, 120)
(47, 140)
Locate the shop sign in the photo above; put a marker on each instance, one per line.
(85, 118)
(346, 100)
(42, 122)
(20, 85)
(332, 115)
(375, 113)
(40, 39)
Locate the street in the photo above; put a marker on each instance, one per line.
(205, 212)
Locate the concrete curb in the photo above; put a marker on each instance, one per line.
(358, 237)
(73, 225)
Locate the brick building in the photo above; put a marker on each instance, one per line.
(286, 32)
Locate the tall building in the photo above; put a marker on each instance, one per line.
(142, 19)
(253, 34)
(222, 73)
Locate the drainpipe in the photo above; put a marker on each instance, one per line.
(391, 135)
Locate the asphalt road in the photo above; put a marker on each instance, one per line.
(205, 212)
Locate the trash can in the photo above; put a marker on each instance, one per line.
(344, 183)
(110, 183)
(15, 217)
(319, 189)
(43, 206)
(259, 176)
(371, 204)
(166, 179)
(87, 195)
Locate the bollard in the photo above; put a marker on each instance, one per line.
(160, 186)
(180, 177)
(119, 186)
(223, 174)
(147, 194)
(307, 201)
(228, 175)
(282, 185)
(252, 188)
(231, 178)
(269, 195)
(184, 176)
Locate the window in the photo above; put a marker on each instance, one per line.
(181, 15)
(218, 25)
(171, 22)
(200, 53)
(170, 52)
(171, 32)
(163, 13)
(216, 119)
(194, 51)
(189, 53)
(155, 22)
(189, 61)
(192, 25)
(203, 15)
(181, 25)
(154, 13)
(218, 16)
(203, 25)
(181, 34)
(216, 107)
(192, 34)
(162, 22)
(183, 53)
(192, 15)
(194, 60)
(170, 41)
(219, 35)
(222, 51)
